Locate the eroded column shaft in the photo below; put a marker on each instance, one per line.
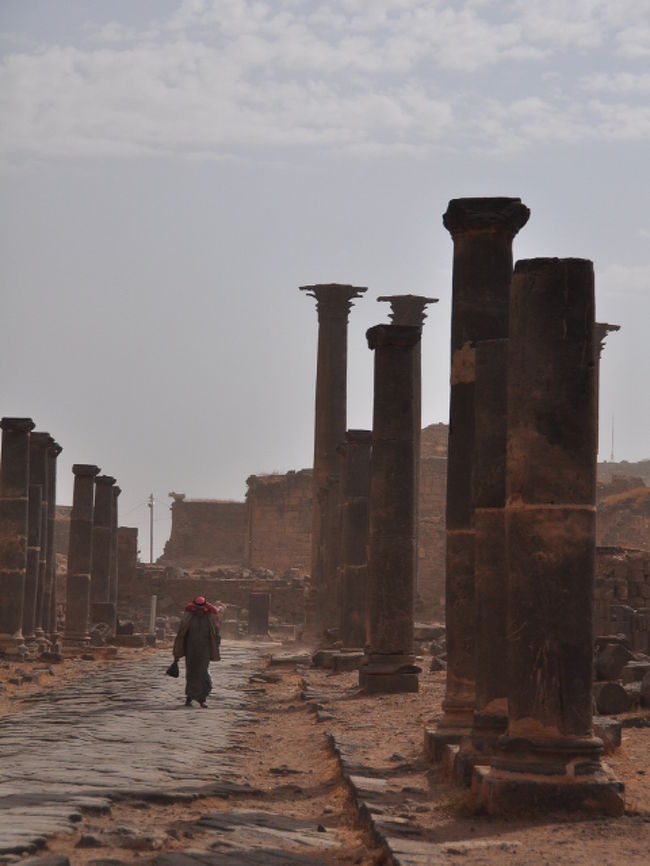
(49, 602)
(483, 230)
(77, 611)
(391, 542)
(14, 511)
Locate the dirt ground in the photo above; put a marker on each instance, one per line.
(288, 763)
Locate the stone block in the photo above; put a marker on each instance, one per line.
(633, 691)
(634, 671)
(609, 731)
(350, 661)
(129, 640)
(611, 698)
(425, 631)
(645, 691)
(375, 684)
(611, 660)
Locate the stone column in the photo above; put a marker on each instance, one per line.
(333, 304)
(550, 757)
(115, 564)
(491, 578)
(390, 666)
(79, 557)
(483, 230)
(354, 537)
(39, 631)
(602, 329)
(100, 567)
(14, 499)
(39, 444)
(48, 611)
(411, 310)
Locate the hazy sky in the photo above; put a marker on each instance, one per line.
(172, 171)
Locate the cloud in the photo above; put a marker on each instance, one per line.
(220, 78)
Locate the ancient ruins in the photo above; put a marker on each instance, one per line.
(493, 553)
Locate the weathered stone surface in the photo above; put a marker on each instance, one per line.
(611, 698)
(645, 691)
(634, 671)
(610, 661)
(80, 557)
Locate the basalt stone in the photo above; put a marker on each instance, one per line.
(611, 698)
(610, 661)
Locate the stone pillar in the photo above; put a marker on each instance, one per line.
(411, 310)
(39, 631)
(100, 568)
(79, 557)
(491, 578)
(390, 661)
(14, 510)
(39, 444)
(127, 554)
(115, 561)
(49, 602)
(550, 758)
(354, 537)
(483, 230)
(333, 304)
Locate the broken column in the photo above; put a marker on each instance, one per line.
(390, 663)
(14, 499)
(49, 601)
(354, 537)
(482, 230)
(39, 444)
(77, 607)
(333, 304)
(550, 758)
(100, 568)
(411, 310)
(115, 564)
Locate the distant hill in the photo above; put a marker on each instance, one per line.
(641, 469)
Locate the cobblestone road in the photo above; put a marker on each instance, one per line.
(118, 730)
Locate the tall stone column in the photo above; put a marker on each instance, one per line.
(491, 577)
(333, 305)
(391, 663)
(115, 564)
(550, 757)
(49, 602)
(14, 510)
(482, 230)
(77, 608)
(354, 537)
(411, 310)
(100, 568)
(39, 444)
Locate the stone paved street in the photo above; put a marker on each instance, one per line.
(117, 731)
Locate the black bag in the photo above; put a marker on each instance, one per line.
(172, 670)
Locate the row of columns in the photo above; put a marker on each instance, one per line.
(28, 593)
(520, 513)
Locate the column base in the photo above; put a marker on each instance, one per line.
(73, 643)
(455, 726)
(103, 612)
(500, 793)
(13, 646)
(389, 673)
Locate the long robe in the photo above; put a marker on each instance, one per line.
(196, 640)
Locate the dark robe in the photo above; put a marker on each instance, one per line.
(198, 641)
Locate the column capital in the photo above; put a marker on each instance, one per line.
(55, 449)
(106, 480)
(85, 470)
(408, 309)
(116, 491)
(601, 330)
(465, 215)
(17, 425)
(400, 336)
(41, 440)
(333, 300)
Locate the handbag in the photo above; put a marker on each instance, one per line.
(172, 670)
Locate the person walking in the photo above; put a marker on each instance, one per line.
(198, 641)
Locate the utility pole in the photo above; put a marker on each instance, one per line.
(611, 456)
(150, 504)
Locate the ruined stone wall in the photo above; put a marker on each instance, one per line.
(205, 532)
(430, 599)
(622, 595)
(278, 521)
(175, 589)
(62, 529)
(624, 519)
(127, 556)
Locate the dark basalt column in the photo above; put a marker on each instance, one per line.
(483, 230)
(79, 557)
(354, 536)
(39, 444)
(550, 757)
(115, 565)
(14, 512)
(390, 584)
(490, 571)
(333, 304)
(39, 632)
(601, 331)
(411, 310)
(100, 569)
(49, 601)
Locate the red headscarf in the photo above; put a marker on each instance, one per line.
(200, 606)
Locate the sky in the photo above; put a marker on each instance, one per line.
(171, 171)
